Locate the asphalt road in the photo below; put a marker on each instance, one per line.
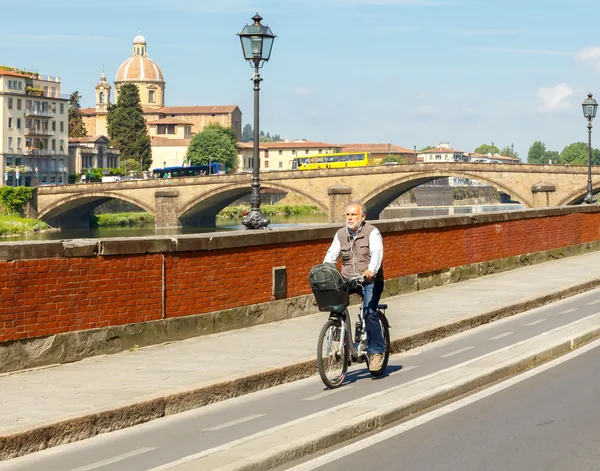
(166, 440)
(548, 422)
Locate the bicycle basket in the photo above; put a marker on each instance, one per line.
(329, 288)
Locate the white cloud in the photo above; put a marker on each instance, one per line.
(468, 110)
(427, 110)
(528, 52)
(589, 56)
(303, 90)
(490, 32)
(555, 98)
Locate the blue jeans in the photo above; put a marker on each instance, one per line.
(371, 296)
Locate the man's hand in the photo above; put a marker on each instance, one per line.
(369, 275)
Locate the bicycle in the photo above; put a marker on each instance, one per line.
(336, 350)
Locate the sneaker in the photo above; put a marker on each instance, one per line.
(375, 362)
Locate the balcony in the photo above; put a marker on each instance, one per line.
(39, 113)
(38, 132)
(43, 152)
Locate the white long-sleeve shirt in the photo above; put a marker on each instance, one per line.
(375, 248)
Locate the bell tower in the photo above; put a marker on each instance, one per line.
(102, 102)
(102, 95)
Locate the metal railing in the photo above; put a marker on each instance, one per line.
(39, 113)
(38, 132)
(39, 152)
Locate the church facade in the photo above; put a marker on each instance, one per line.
(177, 123)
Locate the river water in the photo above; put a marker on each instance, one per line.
(276, 221)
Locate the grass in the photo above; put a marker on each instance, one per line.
(15, 225)
(121, 219)
(235, 212)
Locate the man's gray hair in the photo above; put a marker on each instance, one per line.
(363, 209)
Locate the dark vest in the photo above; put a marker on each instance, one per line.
(356, 254)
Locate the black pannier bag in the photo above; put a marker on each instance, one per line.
(329, 288)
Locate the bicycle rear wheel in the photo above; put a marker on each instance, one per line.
(385, 330)
(332, 354)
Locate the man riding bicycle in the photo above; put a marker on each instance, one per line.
(361, 247)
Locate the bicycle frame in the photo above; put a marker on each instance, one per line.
(346, 324)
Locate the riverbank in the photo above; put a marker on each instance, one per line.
(121, 219)
(269, 210)
(13, 225)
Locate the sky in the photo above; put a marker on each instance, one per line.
(406, 72)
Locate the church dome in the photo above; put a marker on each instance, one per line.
(139, 67)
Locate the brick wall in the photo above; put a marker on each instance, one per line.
(53, 287)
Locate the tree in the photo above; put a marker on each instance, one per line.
(537, 153)
(426, 148)
(487, 149)
(575, 154)
(552, 157)
(247, 133)
(393, 158)
(214, 144)
(76, 124)
(127, 127)
(509, 152)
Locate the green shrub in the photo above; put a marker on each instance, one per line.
(13, 198)
(12, 225)
(121, 219)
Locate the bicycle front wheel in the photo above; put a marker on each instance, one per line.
(332, 354)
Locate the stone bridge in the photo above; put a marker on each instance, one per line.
(195, 201)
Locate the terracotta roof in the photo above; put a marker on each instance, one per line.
(376, 148)
(75, 140)
(12, 74)
(442, 150)
(170, 121)
(193, 109)
(88, 111)
(164, 142)
(286, 145)
(139, 68)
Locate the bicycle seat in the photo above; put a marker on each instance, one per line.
(382, 306)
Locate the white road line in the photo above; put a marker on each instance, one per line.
(114, 459)
(327, 393)
(411, 353)
(234, 422)
(406, 426)
(456, 352)
(568, 311)
(404, 369)
(501, 336)
(591, 303)
(539, 321)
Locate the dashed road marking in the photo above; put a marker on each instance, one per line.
(114, 459)
(234, 422)
(539, 321)
(501, 336)
(327, 393)
(456, 352)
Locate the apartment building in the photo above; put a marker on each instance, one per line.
(34, 128)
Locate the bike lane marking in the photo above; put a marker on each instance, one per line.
(539, 321)
(114, 459)
(248, 418)
(501, 336)
(456, 352)
(327, 393)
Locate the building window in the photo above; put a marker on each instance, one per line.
(266, 164)
(54, 125)
(9, 123)
(53, 144)
(150, 96)
(19, 103)
(62, 145)
(62, 108)
(20, 85)
(280, 152)
(62, 126)
(266, 153)
(438, 157)
(293, 151)
(306, 151)
(10, 103)
(10, 143)
(18, 143)
(280, 164)
(18, 123)
(320, 151)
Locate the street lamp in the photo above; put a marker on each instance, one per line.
(590, 107)
(257, 42)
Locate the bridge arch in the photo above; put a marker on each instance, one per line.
(577, 196)
(378, 199)
(203, 209)
(74, 210)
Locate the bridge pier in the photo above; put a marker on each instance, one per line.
(339, 197)
(166, 203)
(541, 193)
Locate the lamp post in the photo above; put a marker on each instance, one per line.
(415, 149)
(257, 42)
(590, 106)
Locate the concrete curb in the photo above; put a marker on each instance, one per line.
(89, 425)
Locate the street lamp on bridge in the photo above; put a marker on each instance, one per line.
(257, 42)
(590, 106)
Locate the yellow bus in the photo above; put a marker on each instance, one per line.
(339, 160)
